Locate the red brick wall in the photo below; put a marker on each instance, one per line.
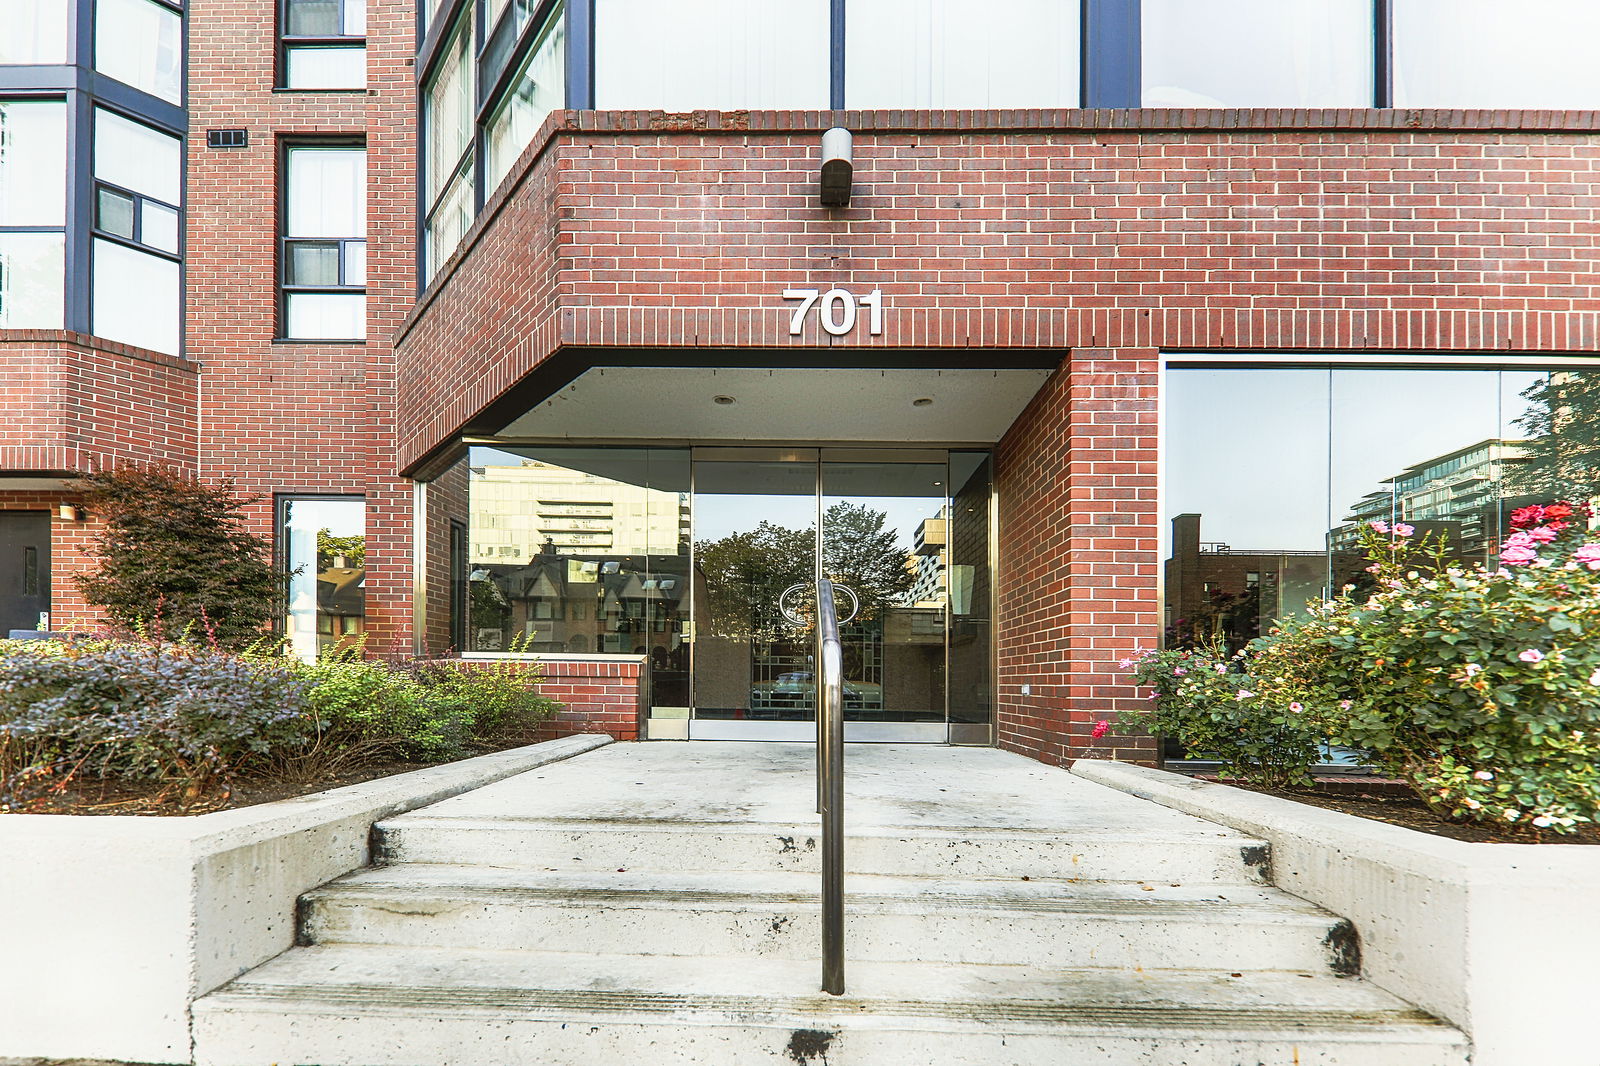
(596, 696)
(300, 417)
(1078, 591)
(75, 403)
(1359, 230)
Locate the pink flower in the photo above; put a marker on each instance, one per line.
(1126, 664)
(1517, 556)
(1524, 539)
(1540, 535)
(1345, 705)
(1179, 671)
(1295, 708)
(1101, 728)
(1484, 775)
(1403, 530)
(1588, 555)
(1532, 655)
(1379, 526)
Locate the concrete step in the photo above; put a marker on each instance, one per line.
(776, 914)
(359, 1005)
(1214, 855)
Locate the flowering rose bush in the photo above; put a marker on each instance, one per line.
(1480, 688)
(1217, 709)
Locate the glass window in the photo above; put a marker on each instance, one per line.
(538, 89)
(1493, 54)
(449, 115)
(138, 158)
(323, 542)
(32, 275)
(937, 54)
(35, 31)
(33, 163)
(140, 43)
(711, 54)
(136, 297)
(582, 550)
(324, 44)
(1257, 53)
(324, 247)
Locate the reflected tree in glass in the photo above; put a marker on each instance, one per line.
(1562, 424)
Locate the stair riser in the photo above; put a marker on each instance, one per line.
(977, 857)
(1235, 942)
(248, 1039)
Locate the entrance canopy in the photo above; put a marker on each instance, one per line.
(703, 404)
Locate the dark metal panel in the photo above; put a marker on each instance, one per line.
(151, 110)
(1110, 49)
(1383, 53)
(836, 55)
(580, 54)
(56, 79)
(80, 208)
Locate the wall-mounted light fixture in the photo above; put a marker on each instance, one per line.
(69, 512)
(837, 168)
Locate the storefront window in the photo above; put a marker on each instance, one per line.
(720, 54)
(1257, 53)
(1270, 474)
(935, 54)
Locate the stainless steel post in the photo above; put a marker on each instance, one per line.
(830, 772)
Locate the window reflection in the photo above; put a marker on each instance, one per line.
(324, 548)
(1493, 54)
(140, 43)
(582, 551)
(1265, 518)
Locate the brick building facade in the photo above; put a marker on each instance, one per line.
(628, 270)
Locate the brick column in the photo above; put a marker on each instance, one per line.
(1078, 555)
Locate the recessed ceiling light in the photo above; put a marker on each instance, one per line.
(723, 400)
(922, 401)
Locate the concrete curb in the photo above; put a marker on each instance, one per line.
(1494, 938)
(116, 924)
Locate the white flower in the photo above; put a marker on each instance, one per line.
(1512, 814)
(1484, 775)
(1243, 695)
(1594, 678)
(1543, 822)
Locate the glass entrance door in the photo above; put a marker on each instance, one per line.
(766, 520)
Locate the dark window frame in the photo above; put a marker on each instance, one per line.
(287, 42)
(136, 240)
(284, 290)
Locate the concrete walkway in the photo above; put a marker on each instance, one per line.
(900, 786)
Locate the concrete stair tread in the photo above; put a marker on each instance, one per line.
(365, 981)
(1210, 834)
(1150, 901)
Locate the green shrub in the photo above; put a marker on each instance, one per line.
(183, 718)
(1217, 709)
(1480, 688)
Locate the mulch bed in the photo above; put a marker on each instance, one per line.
(1410, 812)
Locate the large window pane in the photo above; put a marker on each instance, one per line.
(1257, 53)
(33, 163)
(1246, 500)
(327, 192)
(35, 31)
(711, 54)
(327, 316)
(325, 67)
(136, 298)
(1494, 54)
(448, 102)
(946, 54)
(582, 550)
(137, 157)
(324, 547)
(450, 221)
(140, 42)
(32, 272)
(539, 88)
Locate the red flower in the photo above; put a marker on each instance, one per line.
(1101, 728)
(1527, 517)
(1558, 510)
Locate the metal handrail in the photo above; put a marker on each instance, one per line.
(830, 784)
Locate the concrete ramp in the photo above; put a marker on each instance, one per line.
(659, 903)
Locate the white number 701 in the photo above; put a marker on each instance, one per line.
(837, 310)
